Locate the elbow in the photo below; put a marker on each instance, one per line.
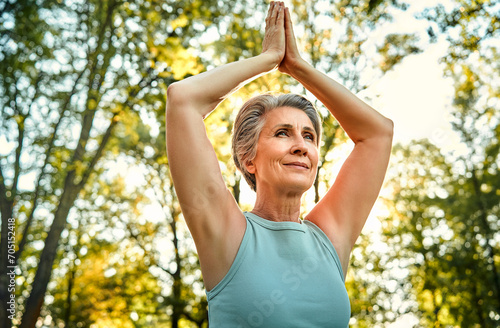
(389, 132)
(172, 89)
(385, 131)
(380, 133)
(389, 127)
(384, 128)
(175, 94)
(177, 89)
(182, 96)
(182, 101)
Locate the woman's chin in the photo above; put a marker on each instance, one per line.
(297, 185)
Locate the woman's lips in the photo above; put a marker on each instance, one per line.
(298, 165)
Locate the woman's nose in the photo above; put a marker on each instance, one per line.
(299, 147)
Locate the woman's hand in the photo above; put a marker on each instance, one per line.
(274, 37)
(292, 56)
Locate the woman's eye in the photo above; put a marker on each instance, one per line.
(281, 133)
(309, 136)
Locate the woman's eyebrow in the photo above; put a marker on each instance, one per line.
(283, 125)
(290, 126)
(309, 129)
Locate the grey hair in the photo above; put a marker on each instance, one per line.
(250, 121)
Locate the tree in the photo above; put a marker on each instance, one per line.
(445, 206)
(73, 71)
(82, 87)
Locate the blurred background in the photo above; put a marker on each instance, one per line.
(85, 188)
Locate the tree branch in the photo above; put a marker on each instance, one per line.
(4, 199)
(100, 151)
(48, 152)
(154, 261)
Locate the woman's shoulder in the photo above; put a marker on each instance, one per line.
(326, 226)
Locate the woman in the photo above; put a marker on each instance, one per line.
(267, 268)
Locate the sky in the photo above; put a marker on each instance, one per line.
(416, 97)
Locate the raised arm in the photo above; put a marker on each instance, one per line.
(343, 211)
(212, 215)
(206, 90)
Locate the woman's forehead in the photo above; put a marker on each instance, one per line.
(288, 116)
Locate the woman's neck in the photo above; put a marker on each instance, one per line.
(277, 206)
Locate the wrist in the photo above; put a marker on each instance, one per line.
(270, 60)
(300, 69)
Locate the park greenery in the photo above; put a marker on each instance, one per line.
(84, 178)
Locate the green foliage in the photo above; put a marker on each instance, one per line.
(445, 208)
(436, 221)
(101, 239)
(77, 80)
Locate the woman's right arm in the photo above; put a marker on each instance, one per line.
(192, 159)
(211, 213)
(206, 90)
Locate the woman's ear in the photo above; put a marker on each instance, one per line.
(249, 165)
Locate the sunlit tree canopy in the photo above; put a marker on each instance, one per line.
(85, 187)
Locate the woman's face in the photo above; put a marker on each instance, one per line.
(287, 155)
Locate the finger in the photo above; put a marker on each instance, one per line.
(281, 14)
(269, 12)
(288, 23)
(288, 20)
(274, 11)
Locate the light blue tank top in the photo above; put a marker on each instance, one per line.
(285, 274)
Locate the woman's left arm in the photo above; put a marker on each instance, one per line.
(343, 211)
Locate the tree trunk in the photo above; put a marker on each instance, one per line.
(69, 301)
(71, 190)
(477, 304)
(43, 274)
(490, 257)
(178, 309)
(7, 206)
